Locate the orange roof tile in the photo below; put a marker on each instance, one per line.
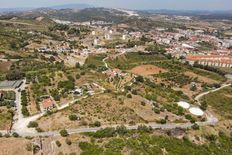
(47, 103)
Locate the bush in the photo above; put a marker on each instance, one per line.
(204, 105)
(78, 65)
(157, 111)
(58, 143)
(143, 128)
(73, 117)
(15, 134)
(68, 142)
(32, 124)
(25, 111)
(7, 135)
(129, 96)
(39, 130)
(134, 92)
(143, 103)
(97, 124)
(139, 79)
(163, 121)
(63, 133)
(195, 126)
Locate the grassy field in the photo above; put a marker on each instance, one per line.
(130, 60)
(221, 102)
(208, 74)
(95, 60)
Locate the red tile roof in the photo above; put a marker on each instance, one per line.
(47, 103)
(210, 58)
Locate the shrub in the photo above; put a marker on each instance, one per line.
(134, 92)
(143, 103)
(163, 121)
(204, 105)
(78, 65)
(139, 79)
(63, 133)
(15, 134)
(157, 111)
(129, 96)
(58, 143)
(68, 142)
(143, 128)
(97, 124)
(73, 117)
(195, 126)
(7, 135)
(39, 130)
(32, 124)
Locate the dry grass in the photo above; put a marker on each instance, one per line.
(200, 78)
(5, 119)
(12, 146)
(5, 66)
(146, 70)
(106, 108)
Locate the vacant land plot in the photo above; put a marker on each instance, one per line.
(5, 66)
(200, 77)
(105, 108)
(5, 119)
(146, 70)
(221, 102)
(95, 60)
(10, 146)
(131, 60)
(209, 74)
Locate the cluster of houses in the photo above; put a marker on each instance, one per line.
(64, 48)
(210, 60)
(47, 103)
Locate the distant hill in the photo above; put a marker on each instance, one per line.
(71, 6)
(56, 7)
(202, 14)
(75, 15)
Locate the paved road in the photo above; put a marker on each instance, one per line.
(198, 97)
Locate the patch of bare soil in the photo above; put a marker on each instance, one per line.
(5, 66)
(146, 70)
(12, 146)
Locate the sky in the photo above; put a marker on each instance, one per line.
(127, 4)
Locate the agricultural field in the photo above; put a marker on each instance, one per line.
(146, 70)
